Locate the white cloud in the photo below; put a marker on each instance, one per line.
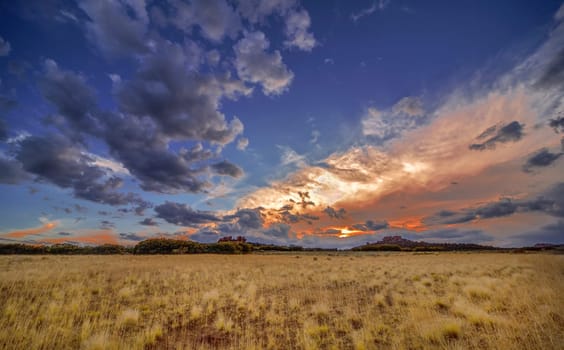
(405, 115)
(254, 64)
(242, 143)
(376, 6)
(297, 26)
(291, 157)
(112, 165)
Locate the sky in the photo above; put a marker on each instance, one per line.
(316, 123)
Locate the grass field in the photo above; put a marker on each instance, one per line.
(305, 301)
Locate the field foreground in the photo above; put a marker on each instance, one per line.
(304, 301)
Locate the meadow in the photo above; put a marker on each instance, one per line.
(283, 301)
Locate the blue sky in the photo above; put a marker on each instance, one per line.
(312, 123)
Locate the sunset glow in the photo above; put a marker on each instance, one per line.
(295, 123)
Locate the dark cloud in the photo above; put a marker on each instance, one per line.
(184, 104)
(557, 124)
(247, 218)
(289, 217)
(164, 102)
(131, 237)
(11, 171)
(116, 27)
(226, 168)
(511, 132)
(64, 234)
(553, 75)
(105, 225)
(74, 99)
(335, 214)
(145, 153)
(370, 225)
(56, 160)
(141, 206)
(542, 158)
(149, 222)
(182, 215)
(504, 207)
(305, 200)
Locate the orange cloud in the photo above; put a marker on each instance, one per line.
(413, 224)
(96, 237)
(32, 231)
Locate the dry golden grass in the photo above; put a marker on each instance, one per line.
(306, 301)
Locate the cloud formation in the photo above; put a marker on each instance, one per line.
(383, 125)
(377, 5)
(255, 64)
(56, 160)
(495, 135)
(335, 214)
(226, 168)
(551, 202)
(116, 27)
(297, 26)
(215, 18)
(182, 215)
(46, 227)
(542, 158)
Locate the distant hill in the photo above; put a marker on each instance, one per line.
(398, 243)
